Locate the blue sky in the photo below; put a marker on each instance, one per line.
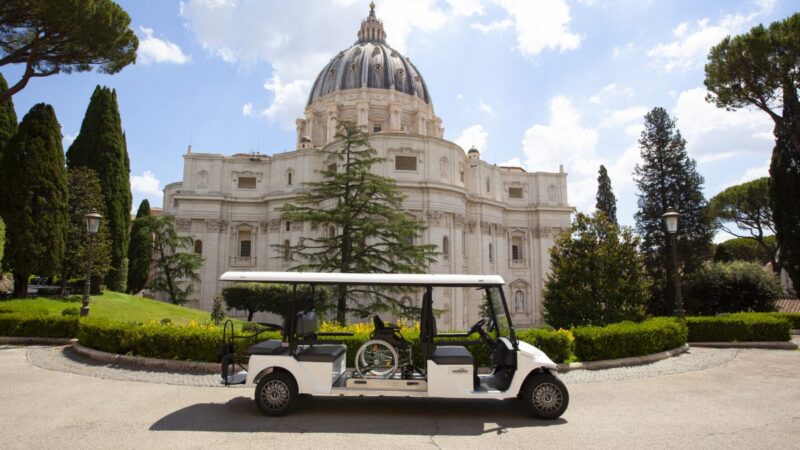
(531, 82)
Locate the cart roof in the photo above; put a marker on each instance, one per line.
(395, 279)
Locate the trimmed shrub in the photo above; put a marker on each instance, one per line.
(38, 325)
(731, 287)
(624, 339)
(741, 327)
(557, 344)
(792, 318)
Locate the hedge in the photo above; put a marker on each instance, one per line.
(38, 325)
(624, 339)
(792, 318)
(740, 327)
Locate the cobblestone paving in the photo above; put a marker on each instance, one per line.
(61, 360)
(694, 359)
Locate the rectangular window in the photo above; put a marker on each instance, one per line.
(515, 192)
(491, 252)
(377, 128)
(332, 168)
(245, 244)
(516, 249)
(515, 253)
(405, 163)
(247, 183)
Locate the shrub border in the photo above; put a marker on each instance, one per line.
(764, 345)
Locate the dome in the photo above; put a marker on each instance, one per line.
(370, 63)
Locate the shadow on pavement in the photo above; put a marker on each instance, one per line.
(358, 415)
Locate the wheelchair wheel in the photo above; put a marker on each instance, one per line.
(377, 358)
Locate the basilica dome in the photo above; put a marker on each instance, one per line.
(370, 63)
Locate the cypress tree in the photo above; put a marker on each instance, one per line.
(8, 117)
(784, 192)
(140, 250)
(668, 179)
(35, 203)
(606, 201)
(101, 146)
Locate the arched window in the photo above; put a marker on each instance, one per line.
(491, 252)
(488, 185)
(287, 250)
(288, 225)
(446, 248)
(289, 178)
(519, 301)
(198, 247)
(331, 232)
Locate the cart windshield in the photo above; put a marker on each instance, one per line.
(494, 296)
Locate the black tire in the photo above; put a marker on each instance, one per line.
(545, 396)
(276, 394)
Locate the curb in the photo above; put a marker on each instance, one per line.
(622, 362)
(21, 340)
(794, 332)
(140, 362)
(765, 345)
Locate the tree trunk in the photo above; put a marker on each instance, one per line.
(250, 313)
(341, 305)
(20, 285)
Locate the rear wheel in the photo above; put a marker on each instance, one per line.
(545, 396)
(276, 394)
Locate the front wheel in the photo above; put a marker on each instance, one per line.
(276, 394)
(545, 396)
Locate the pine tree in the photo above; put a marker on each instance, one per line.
(784, 192)
(140, 250)
(34, 205)
(175, 270)
(668, 179)
(606, 201)
(363, 227)
(85, 196)
(8, 118)
(101, 146)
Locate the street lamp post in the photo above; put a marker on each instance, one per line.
(92, 225)
(671, 221)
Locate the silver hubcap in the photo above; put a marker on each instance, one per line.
(547, 398)
(275, 394)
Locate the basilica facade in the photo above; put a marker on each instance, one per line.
(484, 219)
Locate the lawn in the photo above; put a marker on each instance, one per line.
(111, 305)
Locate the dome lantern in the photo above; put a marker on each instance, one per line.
(371, 28)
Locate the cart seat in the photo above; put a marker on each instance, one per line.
(321, 353)
(452, 354)
(270, 347)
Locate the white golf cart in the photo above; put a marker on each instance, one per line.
(306, 361)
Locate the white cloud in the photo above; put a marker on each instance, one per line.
(146, 184)
(155, 50)
(485, 107)
(623, 116)
(513, 162)
(541, 24)
(691, 47)
(297, 38)
(495, 25)
(67, 140)
(247, 109)
(710, 130)
(753, 173)
(611, 92)
(459, 97)
(473, 136)
(563, 140)
(287, 98)
(466, 8)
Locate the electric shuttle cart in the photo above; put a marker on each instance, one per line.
(306, 361)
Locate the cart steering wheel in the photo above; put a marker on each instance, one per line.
(478, 328)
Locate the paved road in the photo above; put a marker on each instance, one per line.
(752, 401)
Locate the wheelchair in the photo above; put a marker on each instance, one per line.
(384, 353)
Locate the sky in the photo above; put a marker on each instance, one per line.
(535, 83)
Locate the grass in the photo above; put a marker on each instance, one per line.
(110, 305)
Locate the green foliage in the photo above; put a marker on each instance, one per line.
(759, 68)
(596, 276)
(363, 226)
(51, 36)
(746, 205)
(741, 327)
(33, 324)
(71, 312)
(217, 310)
(792, 318)
(34, 198)
(624, 339)
(606, 200)
(85, 196)
(272, 298)
(140, 250)
(731, 287)
(2, 243)
(8, 117)
(175, 270)
(668, 179)
(557, 344)
(101, 146)
(744, 249)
